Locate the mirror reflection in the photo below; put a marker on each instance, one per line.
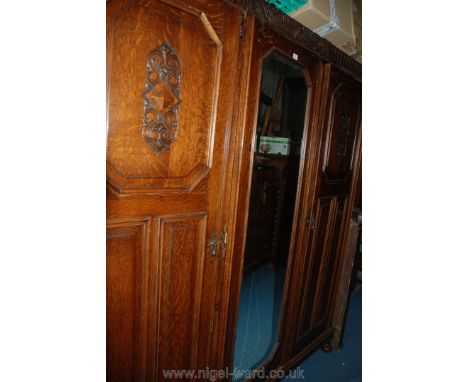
(279, 134)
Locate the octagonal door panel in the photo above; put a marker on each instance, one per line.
(164, 62)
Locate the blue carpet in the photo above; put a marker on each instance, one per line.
(260, 303)
(344, 365)
(257, 325)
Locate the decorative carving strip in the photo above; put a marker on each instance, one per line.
(342, 60)
(294, 31)
(285, 25)
(345, 120)
(161, 98)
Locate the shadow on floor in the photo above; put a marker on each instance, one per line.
(344, 365)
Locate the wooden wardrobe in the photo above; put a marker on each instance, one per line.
(182, 101)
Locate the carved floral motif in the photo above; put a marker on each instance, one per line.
(161, 98)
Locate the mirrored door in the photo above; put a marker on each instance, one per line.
(277, 160)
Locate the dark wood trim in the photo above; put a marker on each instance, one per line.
(271, 17)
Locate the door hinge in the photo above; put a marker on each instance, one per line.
(242, 29)
(224, 240)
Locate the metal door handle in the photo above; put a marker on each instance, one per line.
(213, 244)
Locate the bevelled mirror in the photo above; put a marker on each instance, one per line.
(273, 193)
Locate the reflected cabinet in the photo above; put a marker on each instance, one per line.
(233, 153)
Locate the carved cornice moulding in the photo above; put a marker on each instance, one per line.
(297, 33)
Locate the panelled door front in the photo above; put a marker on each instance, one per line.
(171, 83)
(331, 205)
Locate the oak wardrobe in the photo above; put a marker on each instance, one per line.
(233, 151)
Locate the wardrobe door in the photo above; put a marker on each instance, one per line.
(262, 48)
(171, 95)
(330, 207)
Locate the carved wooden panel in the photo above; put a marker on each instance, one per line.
(179, 282)
(126, 294)
(161, 98)
(342, 127)
(163, 81)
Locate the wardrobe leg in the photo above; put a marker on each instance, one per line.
(327, 346)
